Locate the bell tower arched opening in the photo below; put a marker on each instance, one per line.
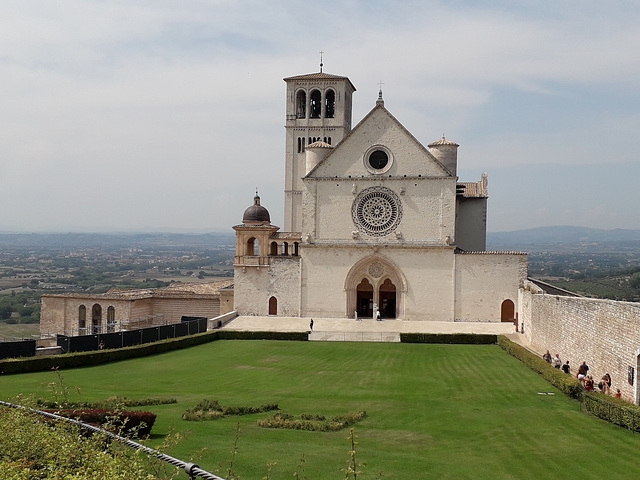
(315, 108)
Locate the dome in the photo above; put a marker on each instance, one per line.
(256, 213)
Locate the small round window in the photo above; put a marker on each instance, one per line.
(378, 159)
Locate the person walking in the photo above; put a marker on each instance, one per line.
(311, 324)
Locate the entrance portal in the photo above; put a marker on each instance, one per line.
(387, 298)
(365, 299)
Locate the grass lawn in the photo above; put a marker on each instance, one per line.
(434, 411)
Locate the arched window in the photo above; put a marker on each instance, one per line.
(285, 248)
(299, 144)
(296, 246)
(330, 104)
(82, 318)
(111, 319)
(273, 248)
(253, 247)
(96, 318)
(315, 108)
(301, 104)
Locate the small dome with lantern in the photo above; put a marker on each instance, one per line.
(256, 213)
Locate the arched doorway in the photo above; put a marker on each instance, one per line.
(273, 306)
(387, 299)
(96, 318)
(364, 299)
(507, 311)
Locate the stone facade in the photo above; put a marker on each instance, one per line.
(77, 314)
(381, 223)
(604, 333)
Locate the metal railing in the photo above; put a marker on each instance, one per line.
(625, 417)
(190, 469)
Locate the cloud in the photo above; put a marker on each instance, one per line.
(111, 109)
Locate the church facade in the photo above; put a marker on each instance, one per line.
(374, 222)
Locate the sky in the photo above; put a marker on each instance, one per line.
(158, 115)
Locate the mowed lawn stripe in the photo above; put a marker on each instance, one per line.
(434, 411)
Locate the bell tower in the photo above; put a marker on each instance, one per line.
(318, 108)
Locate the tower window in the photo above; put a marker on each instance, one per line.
(330, 104)
(301, 104)
(316, 104)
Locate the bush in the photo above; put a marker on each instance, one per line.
(567, 384)
(312, 422)
(125, 423)
(613, 410)
(212, 410)
(47, 451)
(450, 338)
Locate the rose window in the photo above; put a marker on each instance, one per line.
(377, 211)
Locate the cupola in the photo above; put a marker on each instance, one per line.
(256, 213)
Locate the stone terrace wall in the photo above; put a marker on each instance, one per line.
(604, 333)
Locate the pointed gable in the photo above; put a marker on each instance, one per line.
(379, 130)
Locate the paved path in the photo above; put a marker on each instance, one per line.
(297, 324)
(345, 329)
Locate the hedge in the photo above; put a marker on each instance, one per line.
(125, 423)
(98, 357)
(567, 384)
(449, 338)
(612, 410)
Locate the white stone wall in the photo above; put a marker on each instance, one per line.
(254, 286)
(428, 273)
(604, 333)
(484, 281)
(471, 224)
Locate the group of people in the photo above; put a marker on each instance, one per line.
(583, 374)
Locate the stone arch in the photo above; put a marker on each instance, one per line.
(329, 104)
(301, 104)
(315, 105)
(284, 248)
(507, 311)
(273, 306)
(377, 270)
(111, 319)
(96, 318)
(253, 247)
(273, 248)
(82, 318)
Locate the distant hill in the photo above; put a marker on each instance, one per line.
(139, 240)
(561, 235)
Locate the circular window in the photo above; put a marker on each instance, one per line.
(377, 211)
(378, 159)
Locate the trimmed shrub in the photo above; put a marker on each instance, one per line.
(212, 410)
(125, 423)
(449, 338)
(612, 410)
(241, 335)
(312, 422)
(112, 403)
(567, 384)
